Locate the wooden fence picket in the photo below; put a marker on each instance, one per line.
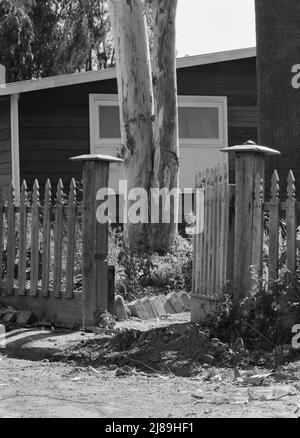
(71, 244)
(274, 229)
(22, 240)
(46, 239)
(11, 240)
(224, 201)
(38, 244)
(214, 270)
(35, 244)
(58, 240)
(209, 272)
(291, 223)
(258, 217)
(1, 238)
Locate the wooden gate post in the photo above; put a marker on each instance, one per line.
(95, 273)
(248, 233)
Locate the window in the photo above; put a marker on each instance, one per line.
(202, 121)
(109, 121)
(104, 121)
(195, 122)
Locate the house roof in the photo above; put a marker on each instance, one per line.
(101, 75)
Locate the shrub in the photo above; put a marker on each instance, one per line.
(150, 272)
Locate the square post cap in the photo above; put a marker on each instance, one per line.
(251, 146)
(97, 157)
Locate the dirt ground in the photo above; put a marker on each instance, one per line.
(60, 390)
(166, 369)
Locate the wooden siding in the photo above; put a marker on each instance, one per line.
(5, 143)
(237, 81)
(54, 123)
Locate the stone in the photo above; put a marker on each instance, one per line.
(205, 358)
(120, 309)
(9, 317)
(158, 303)
(167, 306)
(24, 317)
(175, 303)
(185, 298)
(137, 309)
(151, 313)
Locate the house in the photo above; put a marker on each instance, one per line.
(44, 122)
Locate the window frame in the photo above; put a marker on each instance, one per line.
(95, 102)
(220, 102)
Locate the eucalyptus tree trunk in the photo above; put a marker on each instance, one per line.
(278, 50)
(135, 100)
(149, 134)
(165, 127)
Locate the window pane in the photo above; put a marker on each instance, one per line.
(109, 119)
(195, 122)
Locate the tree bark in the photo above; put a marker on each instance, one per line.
(136, 102)
(166, 143)
(149, 134)
(278, 49)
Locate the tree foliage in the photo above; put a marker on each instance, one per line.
(42, 38)
(16, 39)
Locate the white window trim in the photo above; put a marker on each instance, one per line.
(96, 100)
(220, 102)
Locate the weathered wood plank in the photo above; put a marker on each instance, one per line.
(88, 244)
(58, 240)
(198, 236)
(66, 312)
(204, 285)
(218, 246)
(223, 227)
(101, 249)
(274, 229)
(11, 240)
(291, 224)
(46, 257)
(257, 234)
(35, 225)
(22, 239)
(1, 236)
(214, 231)
(71, 245)
(230, 226)
(209, 233)
(195, 267)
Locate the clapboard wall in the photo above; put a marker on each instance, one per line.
(54, 123)
(5, 143)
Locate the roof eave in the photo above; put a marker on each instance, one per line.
(101, 75)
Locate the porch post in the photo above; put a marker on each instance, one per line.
(95, 273)
(248, 232)
(15, 147)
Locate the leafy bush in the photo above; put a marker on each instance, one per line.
(266, 316)
(150, 272)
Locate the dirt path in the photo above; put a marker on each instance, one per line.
(43, 389)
